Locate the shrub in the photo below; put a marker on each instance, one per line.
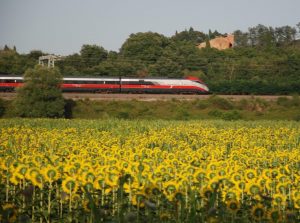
(231, 115)
(283, 101)
(215, 113)
(220, 103)
(123, 115)
(40, 96)
(2, 107)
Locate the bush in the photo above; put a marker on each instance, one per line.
(286, 102)
(201, 104)
(40, 96)
(231, 115)
(215, 113)
(220, 103)
(2, 107)
(283, 101)
(123, 115)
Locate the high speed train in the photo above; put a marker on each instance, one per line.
(188, 85)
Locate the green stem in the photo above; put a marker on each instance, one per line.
(41, 204)
(70, 202)
(33, 196)
(7, 189)
(49, 201)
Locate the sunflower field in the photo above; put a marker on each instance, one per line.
(149, 171)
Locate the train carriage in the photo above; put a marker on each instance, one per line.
(188, 85)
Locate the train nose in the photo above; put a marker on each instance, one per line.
(205, 88)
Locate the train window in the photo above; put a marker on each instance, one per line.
(112, 82)
(137, 83)
(10, 81)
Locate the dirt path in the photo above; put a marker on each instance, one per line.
(148, 97)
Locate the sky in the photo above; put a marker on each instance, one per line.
(62, 26)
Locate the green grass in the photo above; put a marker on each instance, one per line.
(213, 108)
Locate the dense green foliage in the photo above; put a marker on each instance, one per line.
(264, 60)
(40, 96)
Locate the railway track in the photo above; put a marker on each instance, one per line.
(148, 97)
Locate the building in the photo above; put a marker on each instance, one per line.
(220, 43)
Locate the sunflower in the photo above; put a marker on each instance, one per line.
(99, 183)
(9, 213)
(15, 178)
(200, 175)
(279, 199)
(274, 215)
(281, 188)
(88, 185)
(233, 205)
(207, 192)
(87, 206)
(291, 216)
(212, 166)
(297, 202)
(72, 170)
(170, 187)
(165, 216)
(50, 174)
(138, 200)
(211, 174)
(236, 178)
(250, 174)
(69, 185)
(258, 211)
(89, 177)
(253, 188)
(21, 170)
(232, 194)
(241, 186)
(112, 180)
(37, 179)
(179, 195)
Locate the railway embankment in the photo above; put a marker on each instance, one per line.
(172, 107)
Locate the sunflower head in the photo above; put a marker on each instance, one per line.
(233, 205)
(69, 185)
(50, 174)
(297, 203)
(274, 215)
(258, 212)
(253, 188)
(207, 192)
(9, 213)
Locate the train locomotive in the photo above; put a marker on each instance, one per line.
(188, 85)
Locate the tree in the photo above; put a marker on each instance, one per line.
(298, 27)
(35, 54)
(92, 55)
(165, 67)
(193, 36)
(40, 96)
(240, 39)
(285, 35)
(146, 47)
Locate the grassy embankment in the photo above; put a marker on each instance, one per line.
(283, 108)
(212, 108)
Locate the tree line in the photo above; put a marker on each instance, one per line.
(264, 60)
